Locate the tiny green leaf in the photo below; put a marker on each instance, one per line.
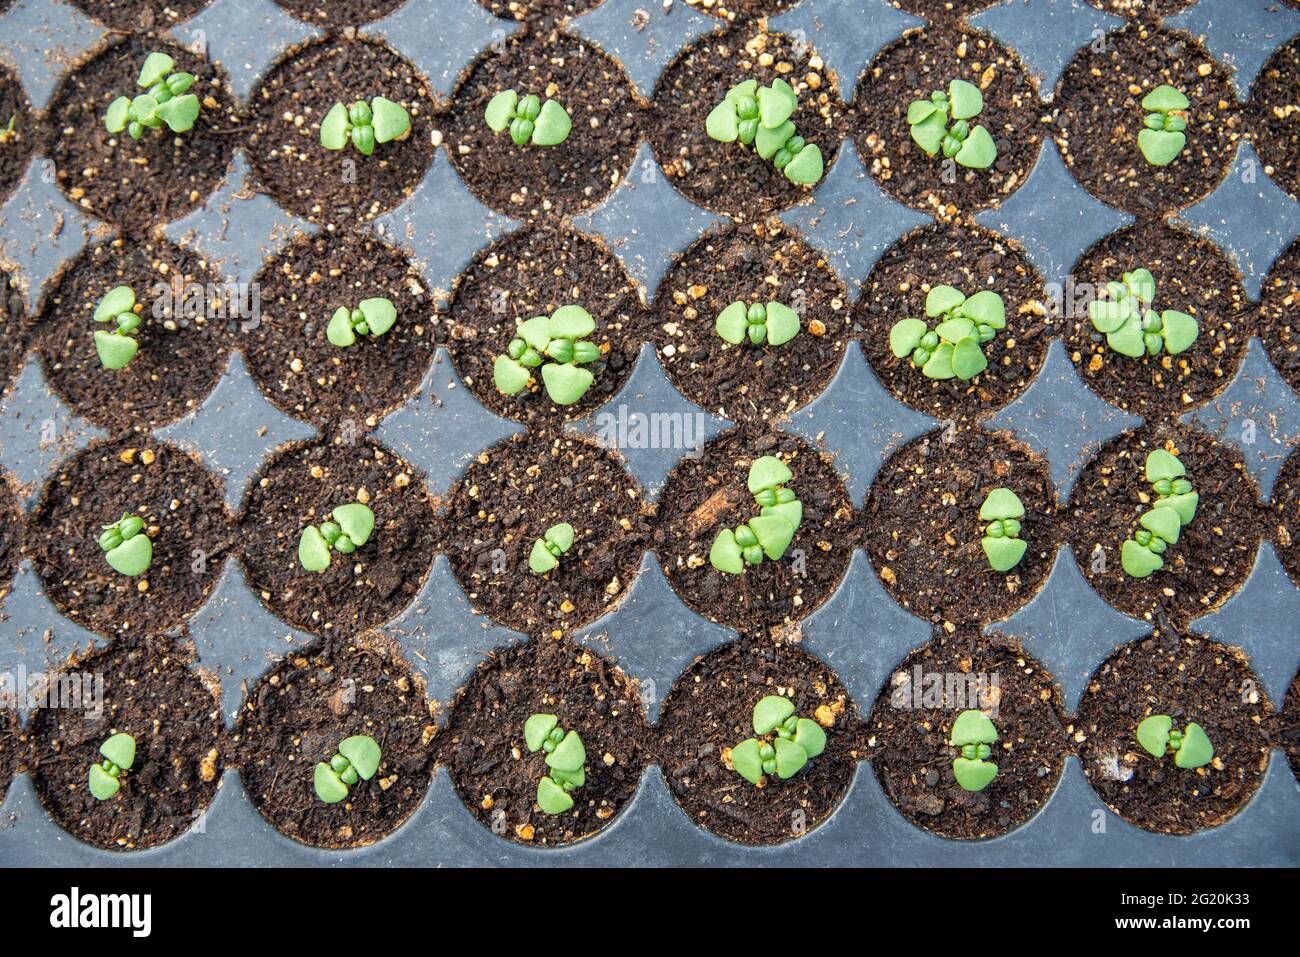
(808, 734)
(569, 754)
(540, 559)
(1003, 554)
(1153, 734)
(552, 125)
(362, 753)
(1161, 147)
(102, 784)
(776, 103)
(722, 123)
(356, 520)
(746, 761)
(782, 324)
(1181, 331)
(973, 775)
(731, 324)
(770, 712)
(536, 332)
(510, 377)
(537, 728)
(1138, 561)
(380, 315)
(571, 322)
(1108, 315)
(1162, 521)
(1184, 504)
(768, 141)
(965, 100)
(929, 133)
(725, 554)
(339, 331)
(334, 128)
(1165, 99)
(1163, 464)
(978, 151)
(941, 300)
(904, 336)
(774, 534)
(179, 113)
(1196, 750)
(1001, 503)
(115, 350)
(313, 550)
(767, 471)
(156, 66)
(1127, 340)
(390, 119)
(552, 798)
(985, 307)
(561, 536)
(501, 110)
(968, 359)
(972, 727)
(940, 364)
(132, 557)
(120, 749)
(118, 115)
(790, 758)
(329, 786)
(566, 384)
(807, 166)
(918, 111)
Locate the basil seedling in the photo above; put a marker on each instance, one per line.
(760, 117)
(973, 734)
(372, 317)
(363, 124)
(1002, 545)
(955, 346)
(1175, 506)
(1191, 747)
(1162, 138)
(126, 546)
(165, 100)
(1132, 328)
(117, 346)
(770, 532)
(774, 323)
(971, 146)
(548, 549)
(528, 119)
(566, 756)
(559, 337)
(357, 760)
(349, 530)
(784, 745)
(119, 754)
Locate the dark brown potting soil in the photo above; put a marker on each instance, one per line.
(141, 15)
(332, 13)
(13, 747)
(11, 537)
(13, 327)
(1144, 9)
(1279, 315)
(1284, 516)
(15, 145)
(1274, 121)
(1289, 730)
(538, 9)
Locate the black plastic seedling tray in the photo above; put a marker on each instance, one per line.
(860, 633)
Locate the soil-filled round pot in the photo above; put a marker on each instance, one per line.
(1284, 512)
(19, 132)
(1279, 315)
(1273, 125)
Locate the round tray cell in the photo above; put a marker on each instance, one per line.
(328, 14)
(1146, 9)
(1290, 725)
(1279, 315)
(926, 60)
(911, 725)
(707, 492)
(1192, 276)
(710, 710)
(163, 175)
(300, 369)
(970, 259)
(497, 777)
(763, 262)
(13, 327)
(286, 110)
(1215, 551)
(532, 273)
(528, 182)
(1190, 679)
(183, 509)
(922, 530)
(16, 144)
(294, 719)
(182, 339)
(11, 536)
(511, 496)
(728, 178)
(1285, 515)
(302, 486)
(539, 9)
(1100, 98)
(140, 15)
(12, 747)
(152, 692)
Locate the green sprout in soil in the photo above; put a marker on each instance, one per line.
(784, 744)
(165, 100)
(1174, 506)
(126, 546)
(363, 125)
(774, 323)
(559, 337)
(973, 734)
(566, 756)
(760, 117)
(1002, 544)
(955, 346)
(349, 529)
(7, 133)
(117, 346)
(971, 146)
(528, 119)
(357, 760)
(119, 754)
(548, 549)
(1163, 138)
(1132, 328)
(770, 532)
(372, 317)
(1190, 747)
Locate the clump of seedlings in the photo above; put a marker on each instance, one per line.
(528, 119)
(548, 549)
(371, 317)
(1175, 506)
(1191, 747)
(566, 756)
(1131, 327)
(760, 117)
(1002, 545)
(770, 532)
(973, 734)
(127, 547)
(955, 346)
(364, 124)
(1162, 138)
(357, 760)
(165, 100)
(117, 346)
(776, 324)
(349, 529)
(106, 777)
(559, 337)
(942, 123)
(784, 744)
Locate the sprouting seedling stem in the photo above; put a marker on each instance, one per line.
(126, 546)
(349, 529)
(566, 757)
(1162, 137)
(774, 323)
(1132, 328)
(770, 532)
(955, 346)
(165, 100)
(528, 119)
(1191, 747)
(550, 548)
(105, 778)
(560, 338)
(1161, 525)
(117, 346)
(970, 146)
(784, 742)
(973, 734)
(357, 759)
(364, 125)
(759, 117)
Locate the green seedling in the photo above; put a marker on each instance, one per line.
(528, 119)
(372, 317)
(548, 549)
(349, 529)
(955, 346)
(774, 323)
(566, 756)
(126, 546)
(1175, 506)
(559, 337)
(770, 532)
(759, 117)
(1163, 136)
(117, 346)
(973, 734)
(364, 125)
(785, 743)
(165, 100)
(106, 777)
(357, 760)
(929, 120)
(1002, 545)
(1131, 327)
(8, 133)
(1191, 747)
